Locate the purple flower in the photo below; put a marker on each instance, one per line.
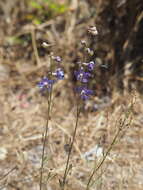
(57, 58)
(45, 84)
(84, 92)
(82, 76)
(91, 65)
(59, 74)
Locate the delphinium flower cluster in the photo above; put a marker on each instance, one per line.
(47, 83)
(83, 75)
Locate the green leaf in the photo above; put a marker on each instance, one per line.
(13, 40)
(35, 5)
(37, 21)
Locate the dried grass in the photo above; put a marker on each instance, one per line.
(21, 142)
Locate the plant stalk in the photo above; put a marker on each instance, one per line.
(70, 150)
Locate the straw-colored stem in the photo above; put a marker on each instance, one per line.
(45, 138)
(102, 161)
(70, 150)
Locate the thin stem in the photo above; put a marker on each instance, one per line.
(5, 175)
(104, 158)
(70, 150)
(45, 138)
(121, 125)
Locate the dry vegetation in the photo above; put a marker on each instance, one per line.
(23, 111)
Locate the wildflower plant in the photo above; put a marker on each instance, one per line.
(83, 76)
(46, 85)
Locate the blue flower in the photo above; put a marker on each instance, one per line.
(82, 76)
(84, 92)
(59, 74)
(91, 65)
(46, 84)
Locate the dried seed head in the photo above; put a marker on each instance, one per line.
(93, 30)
